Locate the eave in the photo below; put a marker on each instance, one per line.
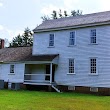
(72, 27)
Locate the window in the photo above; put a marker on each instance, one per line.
(93, 89)
(93, 65)
(51, 40)
(71, 65)
(72, 38)
(71, 88)
(93, 37)
(11, 68)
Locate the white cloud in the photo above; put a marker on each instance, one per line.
(8, 33)
(13, 33)
(86, 6)
(47, 10)
(1, 27)
(1, 4)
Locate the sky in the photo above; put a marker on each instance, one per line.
(16, 15)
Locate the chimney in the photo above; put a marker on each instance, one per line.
(2, 43)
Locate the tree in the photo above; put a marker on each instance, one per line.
(26, 39)
(54, 14)
(60, 13)
(65, 13)
(45, 18)
(76, 13)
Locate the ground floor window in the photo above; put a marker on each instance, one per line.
(71, 65)
(93, 65)
(11, 68)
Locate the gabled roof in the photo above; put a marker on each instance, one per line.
(87, 19)
(20, 54)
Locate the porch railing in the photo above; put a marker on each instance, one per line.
(42, 78)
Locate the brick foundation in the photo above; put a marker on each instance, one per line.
(81, 89)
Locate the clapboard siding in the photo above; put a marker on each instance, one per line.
(17, 77)
(81, 52)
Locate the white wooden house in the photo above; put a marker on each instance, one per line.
(71, 53)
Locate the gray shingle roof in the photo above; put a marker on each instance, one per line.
(22, 54)
(74, 21)
(14, 54)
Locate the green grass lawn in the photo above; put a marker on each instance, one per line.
(32, 100)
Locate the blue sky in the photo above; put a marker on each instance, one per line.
(16, 15)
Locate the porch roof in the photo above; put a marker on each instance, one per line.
(49, 57)
(22, 54)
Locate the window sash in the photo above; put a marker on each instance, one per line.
(72, 38)
(51, 40)
(11, 68)
(71, 65)
(93, 65)
(93, 38)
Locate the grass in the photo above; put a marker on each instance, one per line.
(33, 100)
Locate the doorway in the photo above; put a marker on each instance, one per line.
(48, 72)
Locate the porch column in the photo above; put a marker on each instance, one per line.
(51, 73)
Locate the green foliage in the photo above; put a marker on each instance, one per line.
(26, 39)
(60, 13)
(65, 13)
(76, 13)
(33, 100)
(45, 18)
(55, 13)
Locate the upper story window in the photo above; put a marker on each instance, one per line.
(11, 68)
(71, 66)
(93, 39)
(93, 65)
(72, 38)
(51, 40)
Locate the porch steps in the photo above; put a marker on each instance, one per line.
(55, 87)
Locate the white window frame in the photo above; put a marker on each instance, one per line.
(96, 66)
(52, 40)
(12, 69)
(72, 38)
(71, 66)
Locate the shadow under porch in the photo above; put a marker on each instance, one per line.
(39, 74)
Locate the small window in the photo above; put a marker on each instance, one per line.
(11, 68)
(71, 65)
(93, 89)
(51, 40)
(71, 88)
(93, 65)
(72, 38)
(93, 37)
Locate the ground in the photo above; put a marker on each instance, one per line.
(34, 100)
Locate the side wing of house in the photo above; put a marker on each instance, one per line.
(12, 73)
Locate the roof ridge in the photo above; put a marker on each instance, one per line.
(83, 15)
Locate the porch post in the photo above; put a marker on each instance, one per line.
(50, 72)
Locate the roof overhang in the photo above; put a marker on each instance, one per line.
(38, 59)
(72, 27)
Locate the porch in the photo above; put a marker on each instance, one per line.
(41, 72)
